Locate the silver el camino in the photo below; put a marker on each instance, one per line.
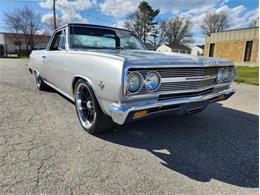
(113, 78)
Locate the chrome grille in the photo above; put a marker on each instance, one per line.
(180, 73)
(186, 85)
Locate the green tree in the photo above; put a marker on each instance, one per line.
(142, 20)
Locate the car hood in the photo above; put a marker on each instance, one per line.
(143, 57)
(140, 57)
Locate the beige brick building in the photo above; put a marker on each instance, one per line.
(240, 45)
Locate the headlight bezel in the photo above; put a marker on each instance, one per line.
(220, 75)
(146, 81)
(227, 75)
(233, 73)
(224, 77)
(141, 82)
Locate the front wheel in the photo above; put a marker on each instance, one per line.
(90, 115)
(41, 85)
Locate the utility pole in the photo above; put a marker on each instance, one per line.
(54, 15)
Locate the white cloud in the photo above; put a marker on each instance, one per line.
(42, 32)
(120, 8)
(197, 40)
(67, 4)
(223, 2)
(69, 10)
(46, 18)
(120, 23)
(239, 17)
(176, 6)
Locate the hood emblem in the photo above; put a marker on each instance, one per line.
(101, 85)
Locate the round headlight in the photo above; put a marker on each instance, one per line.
(227, 76)
(134, 82)
(152, 81)
(233, 73)
(221, 75)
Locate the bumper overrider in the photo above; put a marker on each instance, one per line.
(122, 113)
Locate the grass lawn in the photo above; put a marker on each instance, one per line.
(246, 74)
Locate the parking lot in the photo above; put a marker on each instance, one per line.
(43, 148)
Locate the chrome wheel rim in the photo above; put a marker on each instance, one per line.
(38, 80)
(85, 106)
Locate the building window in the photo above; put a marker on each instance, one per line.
(211, 49)
(248, 51)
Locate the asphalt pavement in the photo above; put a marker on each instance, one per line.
(43, 148)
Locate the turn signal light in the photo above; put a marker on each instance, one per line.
(221, 97)
(140, 113)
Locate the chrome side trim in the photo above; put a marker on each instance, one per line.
(69, 96)
(179, 65)
(186, 79)
(60, 91)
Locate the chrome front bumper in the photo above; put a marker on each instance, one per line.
(121, 113)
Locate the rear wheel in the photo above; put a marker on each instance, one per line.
(90, 115)
(41, 85)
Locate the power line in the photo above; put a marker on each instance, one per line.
(54, 15)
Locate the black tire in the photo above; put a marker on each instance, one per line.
(101, 122)
(40, 84)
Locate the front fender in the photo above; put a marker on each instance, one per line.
(76, 78)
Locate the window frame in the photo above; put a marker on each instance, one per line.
(63, 34)
(63, 31)
(245, 51)
(98, 27)
(214, 46)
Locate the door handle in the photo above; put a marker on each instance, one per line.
(44, 57)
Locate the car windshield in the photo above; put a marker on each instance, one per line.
(103, 38)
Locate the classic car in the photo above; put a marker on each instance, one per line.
(112, 78)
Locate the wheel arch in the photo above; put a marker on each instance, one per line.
(91, 85)
(76, 78)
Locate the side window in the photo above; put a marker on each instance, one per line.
(62, 41)
(58, 43)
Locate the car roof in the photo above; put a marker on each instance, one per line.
(91, 25)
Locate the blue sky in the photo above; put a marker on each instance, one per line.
(113, 12)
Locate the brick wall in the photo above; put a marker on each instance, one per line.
(231, 45)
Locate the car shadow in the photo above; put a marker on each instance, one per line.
(219, 143)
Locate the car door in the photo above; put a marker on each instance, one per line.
(53, 60)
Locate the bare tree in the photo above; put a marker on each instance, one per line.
(129, 23)
(177, 30)
(158, 34)
(50, 23)
(254, 23)
(24, 21)
(141, 21)
(13, 24)
(214, 22)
